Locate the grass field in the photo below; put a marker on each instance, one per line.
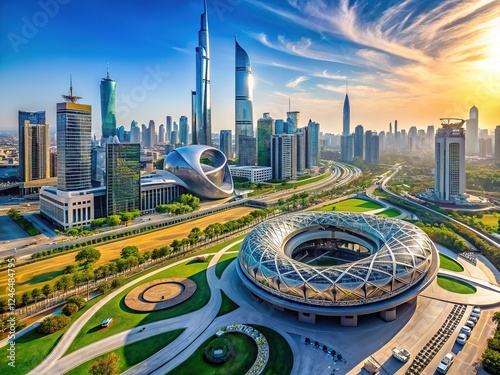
(490, 219)
(351, 205)
(33, 348)
(244, 353)
(36, 275)
(227, 306)
(132, 354)
(391, 212)
(124, 318)
(450, 264)
(455, 286)
(280, 354)
(224, 261)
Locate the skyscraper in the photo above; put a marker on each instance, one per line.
(292, 118)
(135, 132)
(497, 144)
(248, 150)
(301, 134)
(472, 130)
(347, 147)
(244, 95)
(284, 156)
(183, 130)
(226, 143)
(346, 128)
(265, 128)
(74, 138)
(123, 172)
(279, 125)
(203, 103)
(194, 131)
(313, 152)
(449, 169)
(161, 134)
(168, 125)
(372, 147)
(359, 142)
(34, 142)
(108, 112)
(152, 133)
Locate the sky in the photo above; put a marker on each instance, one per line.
(411, 60)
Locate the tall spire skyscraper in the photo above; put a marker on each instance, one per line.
(346, 129)
(108, 111)
(244, 95)
(203, 107)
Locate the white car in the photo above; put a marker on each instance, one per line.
(476, 312)
(465, 330)
(445, 363)
(473, 318)
(461, 338)
(470, 324)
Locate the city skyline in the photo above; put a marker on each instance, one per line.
(416, 68)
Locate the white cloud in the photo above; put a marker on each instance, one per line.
(294, 83)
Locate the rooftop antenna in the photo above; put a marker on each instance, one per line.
(289, 105)
(346, 87)
(107, 69)
(71, 98)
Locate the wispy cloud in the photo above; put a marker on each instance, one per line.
(294, 83)
(183, 50)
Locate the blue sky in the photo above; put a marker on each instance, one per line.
(414, 60)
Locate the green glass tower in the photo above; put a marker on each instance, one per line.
(108, 111)
(265, 129)
(123, 172)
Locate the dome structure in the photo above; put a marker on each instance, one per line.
(399, 260)
(201, 169)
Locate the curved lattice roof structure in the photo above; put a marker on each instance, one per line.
(401, 256)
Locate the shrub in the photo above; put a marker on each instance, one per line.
(79, 301)
(119, 281)
(104, 286)
(53, 324)
(491, 361)
(69, 309)
(217, 344)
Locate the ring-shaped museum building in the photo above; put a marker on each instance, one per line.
(337, 264)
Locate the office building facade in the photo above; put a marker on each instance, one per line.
(248, 150)
(359, 149)
(301, 135)
(183, 130)
(108, 110)
(33, 118)
(265, 129)
(284, 156)
(372, 147)
(34, 152)
(472, 130)
(123, 172)
(313, 151)
(243, 96)
(226, 143)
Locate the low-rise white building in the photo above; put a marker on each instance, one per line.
(252, 173)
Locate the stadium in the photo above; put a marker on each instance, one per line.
(337, 264)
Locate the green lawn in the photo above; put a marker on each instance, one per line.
(132, 354)
(244, 354)
(227, 306)
(351, 205)
(490, 219)
(224, 261)
(280, 354)
(391, 212)
(217, 248)
(33, 348)
(450, 264)
(124, 318)
(455, 286)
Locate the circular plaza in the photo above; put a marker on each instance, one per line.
(337, 264)
(160, 294)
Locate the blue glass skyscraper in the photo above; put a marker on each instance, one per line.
(244, 96)
(203, 125)
(108, 111)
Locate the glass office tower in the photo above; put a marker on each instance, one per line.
(108, 111)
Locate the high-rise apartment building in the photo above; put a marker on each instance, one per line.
(292, 119)
(168, 127)
(183, 130)
(123, 172)
(347, 148)
(74, 138)
(174, 137)
(108, 111)
(359, 149)
(372, 147)
(226, 143)
(202, 124)
(248, 150)
(265, 129)
(284, 156)
(34, 146)
(313, 151)
(243, 95)
(152, 133)
(472, 130)
(449, 169)
(301, 136)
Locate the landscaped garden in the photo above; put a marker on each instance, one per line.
(124, 318)
(224, 261)
(351, 205)
(132, 354)
(455, 286)
(391, 212)
(449, 264)
(227, 305)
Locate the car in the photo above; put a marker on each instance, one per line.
(476, 310)
(475, 314)
(473, 319)
(445, 363)
(465, 330)
(461, 338)
(106, 322)
(401, 354)
(470, 324)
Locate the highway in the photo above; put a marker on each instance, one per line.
(491, 241)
